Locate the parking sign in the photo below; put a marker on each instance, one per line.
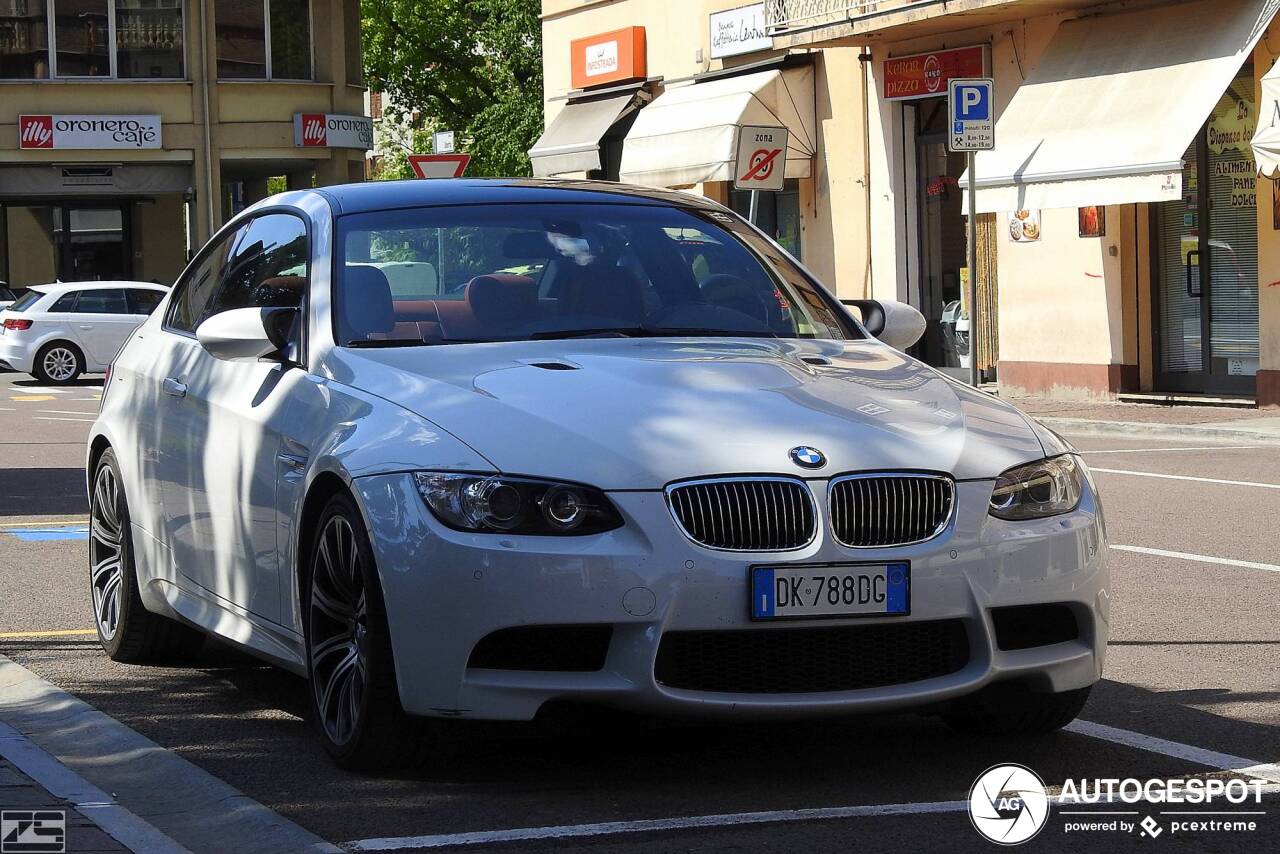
(971, 111)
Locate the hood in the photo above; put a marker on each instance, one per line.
(639, 413)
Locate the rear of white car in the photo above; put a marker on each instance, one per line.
(58, 332)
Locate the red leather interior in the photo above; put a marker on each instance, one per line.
(492, 307)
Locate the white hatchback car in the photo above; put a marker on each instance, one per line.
(616, 448)
(58, 332)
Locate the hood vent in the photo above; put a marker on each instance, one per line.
(820, 361)
(553, 366)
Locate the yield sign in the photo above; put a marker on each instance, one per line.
(439, 165)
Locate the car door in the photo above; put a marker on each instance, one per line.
(101, 323)
(225, 421)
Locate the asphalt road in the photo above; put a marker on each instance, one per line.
(1194, 665)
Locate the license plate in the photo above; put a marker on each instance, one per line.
(780, 592)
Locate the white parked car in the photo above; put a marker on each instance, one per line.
(660, 468)
(58, 332)
(7, 297)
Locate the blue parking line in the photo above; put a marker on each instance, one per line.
(50, 533)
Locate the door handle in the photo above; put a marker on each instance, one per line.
(85, 326)
(175, 387)
(1193, 292)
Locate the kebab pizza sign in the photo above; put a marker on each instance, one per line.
(88, 132)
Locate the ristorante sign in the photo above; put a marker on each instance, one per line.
(88, 132)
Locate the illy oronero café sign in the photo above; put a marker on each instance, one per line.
(88, 132)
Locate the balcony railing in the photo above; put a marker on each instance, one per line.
(781, 15)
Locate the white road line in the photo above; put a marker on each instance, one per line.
(1222, 761)
(56, 418)
(1188, 477)
(36, 389)
(1226, 561)
(1164, 450)
(86, 798)
(66, 411)
(1197, 755)
(177, 798)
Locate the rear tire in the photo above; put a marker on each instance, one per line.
(58, 363)
(1016, 713)
(128, 632)
(354, 698)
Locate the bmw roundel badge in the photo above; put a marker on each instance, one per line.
(808, 458)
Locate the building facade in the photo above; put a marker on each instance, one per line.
(1125, 241)
(130, 130)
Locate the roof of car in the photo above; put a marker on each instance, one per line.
(64, 287)
(383, 195)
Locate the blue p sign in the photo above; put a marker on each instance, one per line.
(973, 103)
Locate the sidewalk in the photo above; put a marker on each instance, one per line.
(1187, 423)
(20, 794)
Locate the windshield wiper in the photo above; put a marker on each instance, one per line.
(372, 343)
(708, 332)
(602, 332)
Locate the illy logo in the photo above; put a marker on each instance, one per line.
(35, 132)
(314, 130)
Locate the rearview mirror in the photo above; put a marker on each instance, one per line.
(895, 323)
(247, 334)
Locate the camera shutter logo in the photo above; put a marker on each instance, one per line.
(33, 831)
(1008, 804)
(36, 132)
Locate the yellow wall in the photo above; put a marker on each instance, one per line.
(30, 242)
(1268, 237)
(834, 229)
(159, 239)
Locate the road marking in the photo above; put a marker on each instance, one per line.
(42, 389)
(56, 418)
(87, 799)
(1163, 450)
(32, 397)
(187, 804)
(1188, 477)
(54, 633)
(1268, 771)
(51, 533)
(1226, 561)
(33, 523)
(66, 411)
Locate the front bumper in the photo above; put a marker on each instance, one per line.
(445, 591)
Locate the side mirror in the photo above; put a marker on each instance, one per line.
(895, 323)
(247, 334)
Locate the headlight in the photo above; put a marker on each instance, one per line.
(1039, 489)
(499, 504)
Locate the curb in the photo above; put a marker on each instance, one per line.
(1142, 429)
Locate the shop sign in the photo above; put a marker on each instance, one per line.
(607, 57)
(322, 130)
(739, 30)
(88, 132)
(926, 75)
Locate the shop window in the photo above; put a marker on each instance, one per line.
(148, 39)
(245, 28)
(24, 40)
(777, 214)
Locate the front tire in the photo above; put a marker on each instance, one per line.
(128, 632)
(354, 699)
(1018, 713)
(58, 363)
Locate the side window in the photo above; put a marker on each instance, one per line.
(194, 290)
(143, 302)
(267, 268)
(66, 302)
(104, 301)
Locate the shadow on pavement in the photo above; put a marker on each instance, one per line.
(42, 492)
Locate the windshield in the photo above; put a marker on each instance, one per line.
(26, 301)
(521, 272)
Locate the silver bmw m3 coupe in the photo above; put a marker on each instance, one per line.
(461, 449)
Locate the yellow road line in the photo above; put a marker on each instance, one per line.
(56, 633)
(32, 397)
(42, 524)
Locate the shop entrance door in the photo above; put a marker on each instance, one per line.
(64, 241)
(1207, 258)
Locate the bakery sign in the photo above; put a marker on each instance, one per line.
(926, 75)
(322, 130)
(88, 132)
(740, 30)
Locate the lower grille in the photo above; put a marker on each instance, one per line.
(870, 511)
(1028, 626)
(745, 514)
(811, 660)
(552, 648)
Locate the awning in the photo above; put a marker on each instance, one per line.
(572, 143)
(115, 179)
(689, 134)
(1266, 140)
(1110, 109)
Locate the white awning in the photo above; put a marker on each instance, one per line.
(689, 134)
(1111, 107)
(1266, 140)
(572, 143)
